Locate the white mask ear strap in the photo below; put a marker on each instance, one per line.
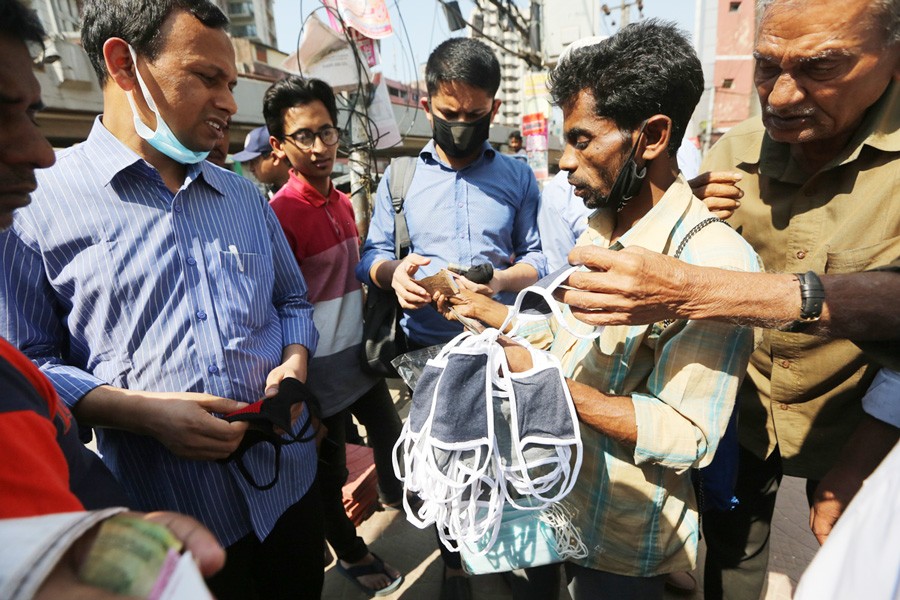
(151, 104)
(544, 288)
(139, 126)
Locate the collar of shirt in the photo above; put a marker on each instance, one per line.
(307, 193)
(654, 230)
(429, 155)
(879, 129)
(114, 157)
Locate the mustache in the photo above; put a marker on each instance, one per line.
(789, 114)
(574, 181)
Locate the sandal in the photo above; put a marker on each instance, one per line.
(376, 567)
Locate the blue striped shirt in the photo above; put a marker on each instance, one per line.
(485, 212)
(109, 278)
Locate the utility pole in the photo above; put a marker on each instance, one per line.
(360, 166)
(625, 11)
(707, 138)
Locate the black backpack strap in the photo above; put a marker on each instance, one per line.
(403, 169)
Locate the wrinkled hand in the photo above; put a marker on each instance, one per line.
(410, 294)
(63, 581)
(719, 191)
(633, 286)
(184, 423)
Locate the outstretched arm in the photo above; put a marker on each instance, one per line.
(637, 286)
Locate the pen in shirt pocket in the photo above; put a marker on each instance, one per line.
(234, 251)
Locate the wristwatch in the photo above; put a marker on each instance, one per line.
(812, 297)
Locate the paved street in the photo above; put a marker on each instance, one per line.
(414, 552)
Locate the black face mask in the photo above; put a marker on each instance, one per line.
(628, 182)
(268, 413)
(459, 139)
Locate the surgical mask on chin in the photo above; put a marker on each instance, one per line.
(162, 139)
(459, 139)
(628, 182)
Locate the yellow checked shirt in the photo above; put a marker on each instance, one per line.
(636, 511)
(802, 392)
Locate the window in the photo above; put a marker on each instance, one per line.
(243, 31)
(734, 6)
(727, 84)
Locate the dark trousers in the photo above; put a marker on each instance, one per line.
(588, 584)
(288, 564)
(375, 410)
(535, 583)
(737, 541)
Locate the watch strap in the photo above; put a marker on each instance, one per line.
(812, 298)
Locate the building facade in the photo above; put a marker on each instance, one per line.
(725, 31)
(251, 19)
(490, 24)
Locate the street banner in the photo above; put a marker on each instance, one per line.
(369, 17)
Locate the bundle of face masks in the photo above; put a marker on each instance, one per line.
(489, 452)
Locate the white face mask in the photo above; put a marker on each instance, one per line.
(162, 139)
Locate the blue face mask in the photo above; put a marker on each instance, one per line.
(162, 139)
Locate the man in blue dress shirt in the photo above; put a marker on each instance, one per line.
(157, 291)
(467, 205)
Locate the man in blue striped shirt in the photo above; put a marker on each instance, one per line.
(156, 291)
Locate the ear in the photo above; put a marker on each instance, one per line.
(119, 65)
(277, 148)
(426, 106)
(496, 108)
(657, 133)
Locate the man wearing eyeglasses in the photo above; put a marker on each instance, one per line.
(321, 230)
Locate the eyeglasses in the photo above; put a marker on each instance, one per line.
(306, 138)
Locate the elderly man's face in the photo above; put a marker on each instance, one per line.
(819, 66)
(23, 148)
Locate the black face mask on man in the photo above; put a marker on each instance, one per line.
(460, 139)
(628, 182)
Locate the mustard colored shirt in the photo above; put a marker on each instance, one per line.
(802, 393)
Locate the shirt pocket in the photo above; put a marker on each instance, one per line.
(861, 259)
(245, 281)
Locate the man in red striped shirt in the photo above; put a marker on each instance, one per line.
(319, 224)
